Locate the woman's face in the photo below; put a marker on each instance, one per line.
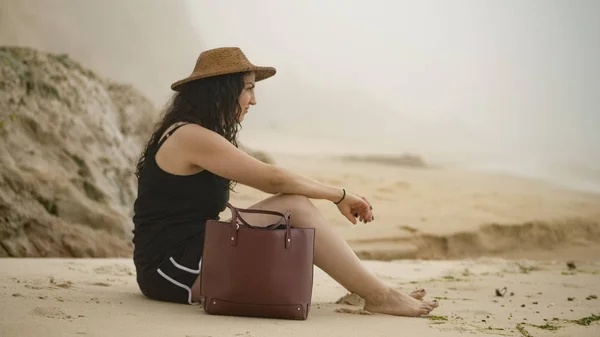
(247, 96)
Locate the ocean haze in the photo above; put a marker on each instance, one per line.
(503, 85)
(496, 85)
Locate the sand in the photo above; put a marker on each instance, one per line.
(99, 297)
(459, 234)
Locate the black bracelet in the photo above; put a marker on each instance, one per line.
(343, 196)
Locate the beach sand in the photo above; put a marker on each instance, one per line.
(459, 234)
(99, 297)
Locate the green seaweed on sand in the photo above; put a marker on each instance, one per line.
(527, 269)
(451, 278)
(580, 271)
(546, 327)
(438, 318)
(441, 298)
(586, 321)
(523, 331)
(451, 299)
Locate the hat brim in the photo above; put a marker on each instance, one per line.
(261, 73)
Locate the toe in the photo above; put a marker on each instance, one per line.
(432, 304)
(429, 305)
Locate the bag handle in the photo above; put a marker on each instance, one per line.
(235, 216)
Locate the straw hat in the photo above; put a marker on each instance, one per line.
(220, 61)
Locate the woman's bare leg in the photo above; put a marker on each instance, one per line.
(418, 294)
(334, 256)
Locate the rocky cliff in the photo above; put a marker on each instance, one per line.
(68, 143)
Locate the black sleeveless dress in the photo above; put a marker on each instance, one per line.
(169, 221)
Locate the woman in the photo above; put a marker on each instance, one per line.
(185, 173)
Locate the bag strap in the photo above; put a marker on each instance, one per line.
(255, 211)
(235, 216)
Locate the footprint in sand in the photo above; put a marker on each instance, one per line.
(402, 184)
(386, 190)
(114, 269)
(353, 311)
(409, 229)
(64, 285)
(94, 300)
(100, 284)
(351, 299)
(246, 334)
(378, 197)
(77, 266)
(50, 312)
(39, 284)
(79, 269)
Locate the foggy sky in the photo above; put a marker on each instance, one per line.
(131, 42)
(513, 78)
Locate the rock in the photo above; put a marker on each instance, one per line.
(3, 252)
(69, 143)
(151, 51)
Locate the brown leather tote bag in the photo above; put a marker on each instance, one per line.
(257, 271)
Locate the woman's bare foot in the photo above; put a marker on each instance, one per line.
(418, 294)
(391, 302)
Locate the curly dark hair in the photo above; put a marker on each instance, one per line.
(211, 102)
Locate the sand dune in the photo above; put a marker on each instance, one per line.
(514, 240)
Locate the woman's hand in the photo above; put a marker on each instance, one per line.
(354, 206)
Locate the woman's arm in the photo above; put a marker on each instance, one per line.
(211, 151)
